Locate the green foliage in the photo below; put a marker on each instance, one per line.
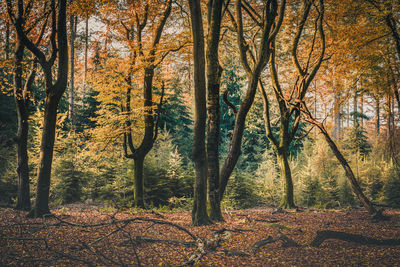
(67, 174)
(175, 118)
(346, 195)
(8, 129)
(241, 192)
(86, 111)
(318, 176)
(165, 175)
(268, 180)
(391, 189)
(356, 140)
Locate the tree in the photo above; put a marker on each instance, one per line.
(214, 71)
(126, 81)
(301, 106)
(199, 211)
(54, 88)
(268, 25)
(289, 115)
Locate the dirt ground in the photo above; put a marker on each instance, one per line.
(88, 236)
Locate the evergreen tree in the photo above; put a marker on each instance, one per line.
(175, 118)
(356, 140)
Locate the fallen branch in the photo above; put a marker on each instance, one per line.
(359, 239)
(286, 242)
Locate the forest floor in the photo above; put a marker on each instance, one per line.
(86, 236)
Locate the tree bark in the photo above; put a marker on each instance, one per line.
(46, 157)
(22, 102)
(287, 201)
(139, 182)
(85, 64)
(71, 99)
(199, 211)
(7, 44)
(355, 111)
(378, 117)
(213, 107)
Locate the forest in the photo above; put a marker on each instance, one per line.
(199, 132)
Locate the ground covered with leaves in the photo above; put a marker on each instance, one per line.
(88, 236)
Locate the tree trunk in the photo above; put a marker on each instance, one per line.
(86, 52)
(54, 91)
(350, 175)
(73, 22)
(21, 100)
(213, 86)
(337, 115)
(287, 199)
(199, 212)
(139, 182)
(7, 44)
(46, 158)
(378, 117)
(362, 109)
(355, 111)
(237, 135)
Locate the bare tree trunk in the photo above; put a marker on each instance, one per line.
(337, 115)
(199, 212)
(350, 175)
(86, 52)
(378, 118)
(46, 158)
(348, 171)
(362, 108)
(54, 91)
(22, 101)
(7, 44)
(71, 99)
(287, 198)
(139, 182)
(213, 107)
(272, 22)
(355, 111)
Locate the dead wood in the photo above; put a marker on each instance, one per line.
(235, 253)
(286, 242)
(355, 238)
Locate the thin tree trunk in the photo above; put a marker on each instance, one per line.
(86, 52)
(199, 212)
(337, 115)
(7, 44)
(355, 115)
(362, 108)
(348, 171)
(350, 175)
(237, 135)
(21, 100)
(71, 99)
(378, 118)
